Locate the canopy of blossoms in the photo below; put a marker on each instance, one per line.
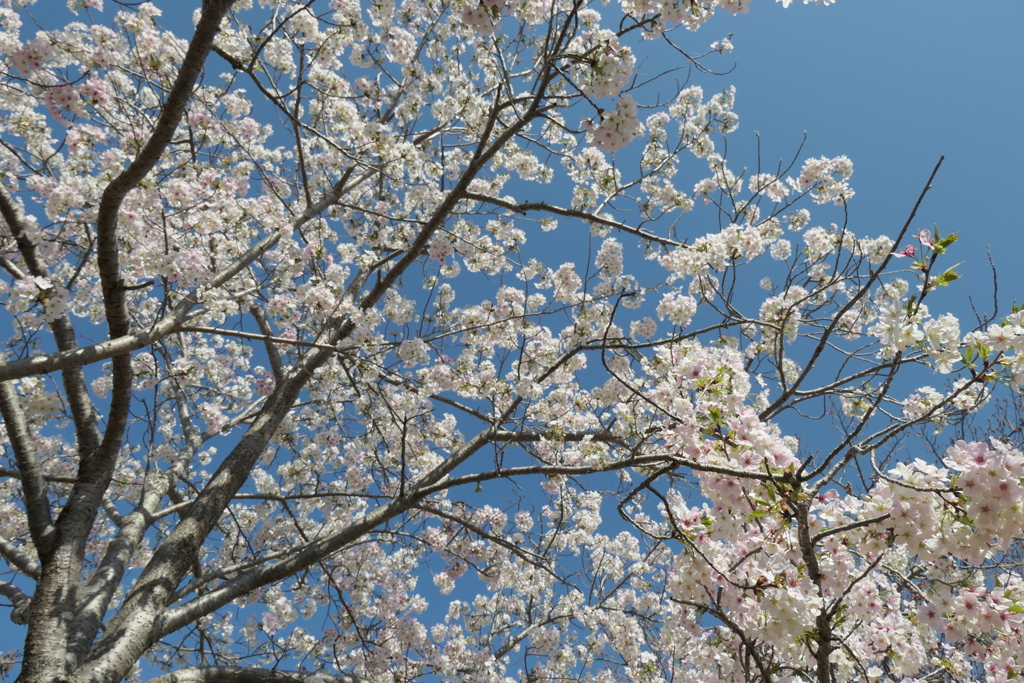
(440, 341)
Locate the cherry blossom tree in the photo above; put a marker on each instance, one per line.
(301, 384)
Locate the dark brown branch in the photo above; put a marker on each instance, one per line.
(848, 527)
(273, 355)
(525, 207)
(235, 674)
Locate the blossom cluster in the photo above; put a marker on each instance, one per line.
(617, 127)
(602, 65)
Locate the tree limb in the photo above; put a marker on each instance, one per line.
(524, 207)
(37, 503)
(48, 651)
(236, 674)
(17, 558)
(20, 600)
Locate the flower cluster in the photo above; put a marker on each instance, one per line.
(482, 15)
(617, 127)
(601, 64)
(46, 300)
(826, 179)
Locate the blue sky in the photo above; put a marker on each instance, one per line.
(894, 84)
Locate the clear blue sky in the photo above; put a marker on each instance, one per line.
(894, 84)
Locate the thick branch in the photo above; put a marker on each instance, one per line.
(17, 557)
(14, 474)
(105, 581)
(235, 674)
(47, 652)
(37, 504)
(318, 550)
(39, 365)
(20, 601)
(276, 366)
(268, 338)
(530, 437)
(87, 431)
(108, 255)
(61, 360)
(848, 527)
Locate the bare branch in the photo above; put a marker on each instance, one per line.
(525, 207)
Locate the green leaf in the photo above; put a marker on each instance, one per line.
(947, 277)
